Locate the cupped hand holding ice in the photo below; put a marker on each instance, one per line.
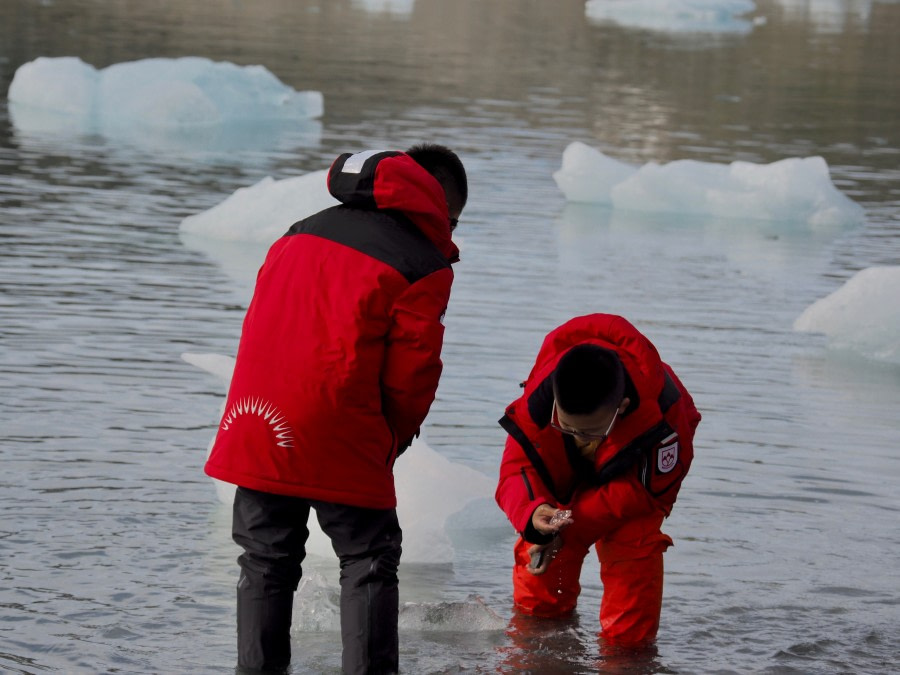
(549, 520)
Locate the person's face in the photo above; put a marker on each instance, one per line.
(589, 431)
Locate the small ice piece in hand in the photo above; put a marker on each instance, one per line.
(560, 516)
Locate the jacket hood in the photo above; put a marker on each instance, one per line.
(392, 180)
(644, 372)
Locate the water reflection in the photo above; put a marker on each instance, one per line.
(115, 548)
(562, 645)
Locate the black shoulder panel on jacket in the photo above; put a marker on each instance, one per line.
(669, 394)
(540, 402)
(388, 236)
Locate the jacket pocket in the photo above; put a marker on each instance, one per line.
(663, 468)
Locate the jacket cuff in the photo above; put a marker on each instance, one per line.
(532, 536)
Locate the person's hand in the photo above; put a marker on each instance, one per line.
(542, 555)
(549, 520)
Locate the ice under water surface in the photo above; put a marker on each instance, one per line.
(115, 548)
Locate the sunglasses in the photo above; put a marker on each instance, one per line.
(583, 435)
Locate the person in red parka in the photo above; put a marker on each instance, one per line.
(337, 367)
(598, 446)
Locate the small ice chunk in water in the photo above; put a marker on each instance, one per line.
(862, 316)
(317, 605)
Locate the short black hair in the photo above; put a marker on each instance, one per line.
(444, 164)
(588, 378)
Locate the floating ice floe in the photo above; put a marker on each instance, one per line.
(675, 16)
(189, 95)
(261, 213)
(863, 316)
(396, 7)
(430, 488)
(790, 190)
(237, 232)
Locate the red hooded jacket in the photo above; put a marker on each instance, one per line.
(339, 357)
(636, 473)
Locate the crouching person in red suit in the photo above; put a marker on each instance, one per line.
(599, 444)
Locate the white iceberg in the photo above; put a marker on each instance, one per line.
(430, 489)
(791, 190)
(237, 232)
(261, 213)
(588, 176)
(863, 316)
(675, 16)
(186, 96)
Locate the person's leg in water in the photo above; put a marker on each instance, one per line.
(555, 592)
(272, 531)
(632, 600)
(368, 544)
(631, 570)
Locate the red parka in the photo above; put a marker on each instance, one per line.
(636, 473)
(339, 357)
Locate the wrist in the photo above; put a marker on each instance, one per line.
(532, 536)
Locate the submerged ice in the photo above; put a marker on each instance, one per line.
(161, 94)
(862, 316)
(317, 610)
(791, 190)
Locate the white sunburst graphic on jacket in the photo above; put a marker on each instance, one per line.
(268, 412)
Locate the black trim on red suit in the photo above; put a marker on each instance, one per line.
(388, 236)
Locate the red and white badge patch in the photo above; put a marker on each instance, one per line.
(667, 457)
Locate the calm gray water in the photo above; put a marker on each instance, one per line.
(115, 554)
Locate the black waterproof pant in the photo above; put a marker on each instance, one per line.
(272, 531)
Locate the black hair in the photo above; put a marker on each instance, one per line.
(442, 163)
(588, 378)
